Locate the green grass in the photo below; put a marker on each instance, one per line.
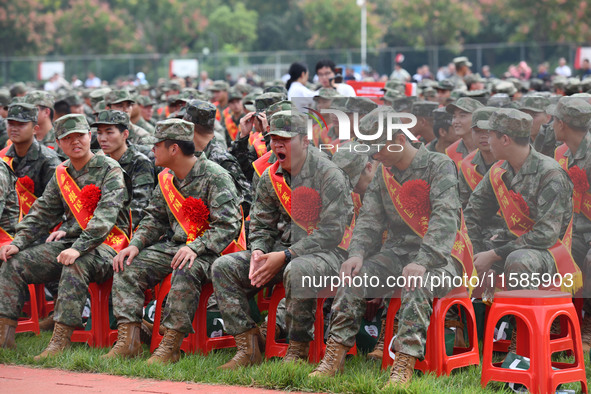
(360, 376)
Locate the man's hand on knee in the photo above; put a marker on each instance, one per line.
(413, 270)
(7, 251)
(184, 255)
(274, 261)
(55, 236)
(351, 267)
(128, 253)
(68, 256)
(484, 260)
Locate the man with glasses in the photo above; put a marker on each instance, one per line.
(326, 72)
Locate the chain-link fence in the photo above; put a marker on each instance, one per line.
(272, 65)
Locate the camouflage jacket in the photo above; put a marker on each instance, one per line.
(9, 209)
(432, 146)
(39, 164)
(141, 171)
(49, 141)
(582, 159)
(545, 141)
(3, 133)
(217, 152)
(213, 185)
(138, 135)
(267, 213)
(48, 210)
(547, 190)
(379, 214)
(244, 154)
(463, 149)
(145, 125)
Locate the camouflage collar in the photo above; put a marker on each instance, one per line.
(529, 167)
(421, 160)
(128, 155)
(32, 153)
(478, 161)
(582, 149)
(97, 161)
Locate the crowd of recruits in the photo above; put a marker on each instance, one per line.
(88, 249)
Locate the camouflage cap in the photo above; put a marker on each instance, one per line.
(441, 115)
(174, 85)
(394, 84)
(72, 98)
(279, 106)
(403, 104)
(534, 103)
(287, 124)
(462, 61)
(99, 106)
(4, 97)
(188, 94)
(69, 124)
(576, 112)
(586, 84)
(427, 83)
(262, 102)
(219, 85)
(370, 123)
(482, 113)
(446, 84)
(473, 78)
(423, 108)
(476, 94)
(326, 94)
(119, 96)
(173, 129)
(145, 101)
(201, 113)
(505, 87)
(40, 97)
(234, 94)
(581, 95)
(351, 163)
(243, 88)
(573, 85)
(559, 81)
(360, 105)
(22, 112)
(429, 92)
(498, 101)
(465, 104)
(111, 116)
(276, 89)
(98, 95)
(18, 88)
(248, 101)
(508, 121)
(391, 94)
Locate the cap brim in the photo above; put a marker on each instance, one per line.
(250, 108)
(484, 125)
(284, 134)
(19, 120)
(79, 131)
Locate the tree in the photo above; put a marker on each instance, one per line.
(336, 24)
(235, 29)
(25, 28)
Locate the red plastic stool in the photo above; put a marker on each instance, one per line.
(203, 343)
(45, 307)
(98, 335)
(30, 324)
(436, 360)
(278, 349)
(535, 310)
(264, 298)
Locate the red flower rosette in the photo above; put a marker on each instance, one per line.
(90, 196)
(520, 201)
(27, 183)
(414, 196)
(306, 206)
(195, 210)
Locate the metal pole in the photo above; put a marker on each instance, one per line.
(363, 6)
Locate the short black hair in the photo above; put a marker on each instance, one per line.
(521, 141)
(440, 124)
(121, 127)
(61, 107)
(187, 147)
(325, 63)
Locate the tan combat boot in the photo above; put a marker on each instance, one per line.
(59, 341)
(128, 343)
(586, 333)
(333, 361)
(146, 329)
(249, 347)
(263, 329)
(7, 330)
(169, 350)
(296, 351)
(378, 351)
(402, 369)
(47, 323)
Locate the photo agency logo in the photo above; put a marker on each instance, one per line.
(388, 122)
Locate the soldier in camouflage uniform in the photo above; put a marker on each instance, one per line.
(9, 207)
(535, 106)
(571, 126)
(146, 104)
(423, 130)
(112, 131)
(77, 259)
(122, 100)
(136, 115)
(462, 124)
(284, 253)
(4, 103)
(544, 186)
(150, 259)
(443, 130)
(29, 157)
(44, 101)
(202, 115)
(403, 253)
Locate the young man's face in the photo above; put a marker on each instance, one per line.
(496, 145)
(480, 137)
(235, 106)
(162, 154)
(43, 114)
(288, 150)
(110, 138)
(4, 112)
(449, 136)
(20, 132)
(75, 145)
(461, 122)
(324, 76)
(391, 153)
(124, 106)
(147, 111)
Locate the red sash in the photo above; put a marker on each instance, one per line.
(116, 239)
(230, 125)
(451, 152)
(174, 199)
(25, 197)
(581, 202)
(519, 224)
(218, 115)
(257, 141)
(462, 249)
(5, 238)
(262, 163)
(320, 135)
(349, 230)
(468, 169)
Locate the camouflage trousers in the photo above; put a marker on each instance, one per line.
(38, 264)
(233, 289)
(147, 270)
(525, 261)
(416, 306)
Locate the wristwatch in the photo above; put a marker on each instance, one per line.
(287, 256)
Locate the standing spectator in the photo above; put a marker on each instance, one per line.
(486, 72)
(400, 73)
(543, 73)
(204, 81)
(92, 81)
(585, 70)
(419, 75)
(326, 72)
(76, 82)
(350, 74)
(562, 68)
